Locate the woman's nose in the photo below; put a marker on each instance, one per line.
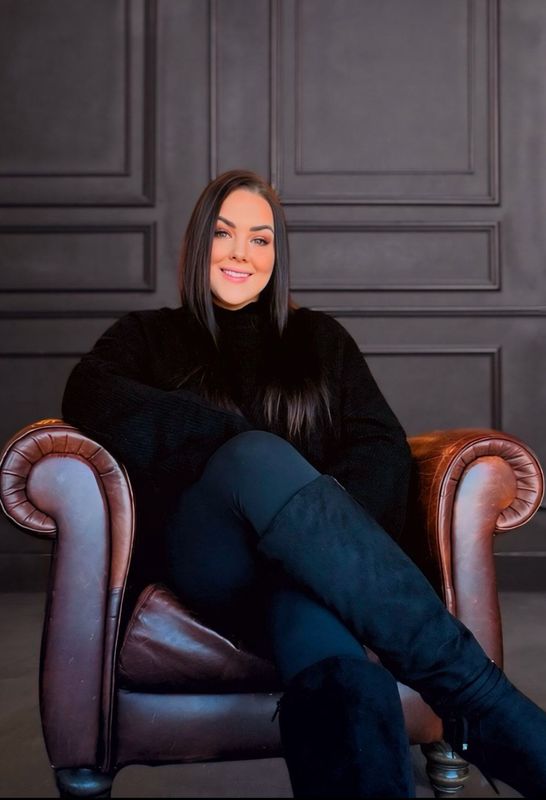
(239, 251)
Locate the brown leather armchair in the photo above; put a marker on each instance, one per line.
(149, 683)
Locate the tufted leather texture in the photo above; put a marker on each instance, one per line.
(53, 437)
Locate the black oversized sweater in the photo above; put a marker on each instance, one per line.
(121, 394)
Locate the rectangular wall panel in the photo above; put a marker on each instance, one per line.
(113, 258)
(373, 107)
(438, 388)
(77, 102)
(397, 256)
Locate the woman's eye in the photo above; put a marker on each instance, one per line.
(220, 233)
(262, 242)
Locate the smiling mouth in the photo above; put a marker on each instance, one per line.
(233, 273)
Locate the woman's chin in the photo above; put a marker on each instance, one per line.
(233, 300)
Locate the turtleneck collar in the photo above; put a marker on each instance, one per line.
(251, 314)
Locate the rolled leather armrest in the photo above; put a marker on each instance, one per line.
(56, 482)
(469, 484)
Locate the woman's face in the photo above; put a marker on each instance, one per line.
(243, 246)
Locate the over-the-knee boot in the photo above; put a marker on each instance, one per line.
(342, 731)
(327, 541)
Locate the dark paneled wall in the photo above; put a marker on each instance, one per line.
(407, 139)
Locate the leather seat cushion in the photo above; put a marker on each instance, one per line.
(165, 649)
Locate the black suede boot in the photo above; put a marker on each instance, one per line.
(328, 542)
(343, 733)
(504, 734)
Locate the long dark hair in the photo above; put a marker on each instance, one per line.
(295, 394)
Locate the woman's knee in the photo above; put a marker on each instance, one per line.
(250, 446)
(254, 474)
(260, 454)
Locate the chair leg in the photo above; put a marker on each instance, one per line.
(83, 783)
(446, 770)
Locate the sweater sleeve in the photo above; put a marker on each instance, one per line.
(153, 432)
(373, 458)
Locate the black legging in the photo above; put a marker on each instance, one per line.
(214, 566)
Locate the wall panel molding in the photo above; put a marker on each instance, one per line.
(132, 182)
(469, 167)
(44, 258)
(475, 182)
(489, 278)
(124, 170)
(493, 355)
(436, 311)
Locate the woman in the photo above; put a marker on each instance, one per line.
(282, 471)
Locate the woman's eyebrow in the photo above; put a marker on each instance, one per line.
(254, 227)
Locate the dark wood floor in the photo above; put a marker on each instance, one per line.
(25, 772)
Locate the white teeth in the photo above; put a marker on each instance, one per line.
(235, 274)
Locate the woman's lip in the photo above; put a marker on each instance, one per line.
(242, 277)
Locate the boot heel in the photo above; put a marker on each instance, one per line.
(456, 733)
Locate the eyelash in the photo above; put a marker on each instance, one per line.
(257, 239)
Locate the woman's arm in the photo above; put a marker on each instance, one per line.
(153, 432)
(373, 459)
